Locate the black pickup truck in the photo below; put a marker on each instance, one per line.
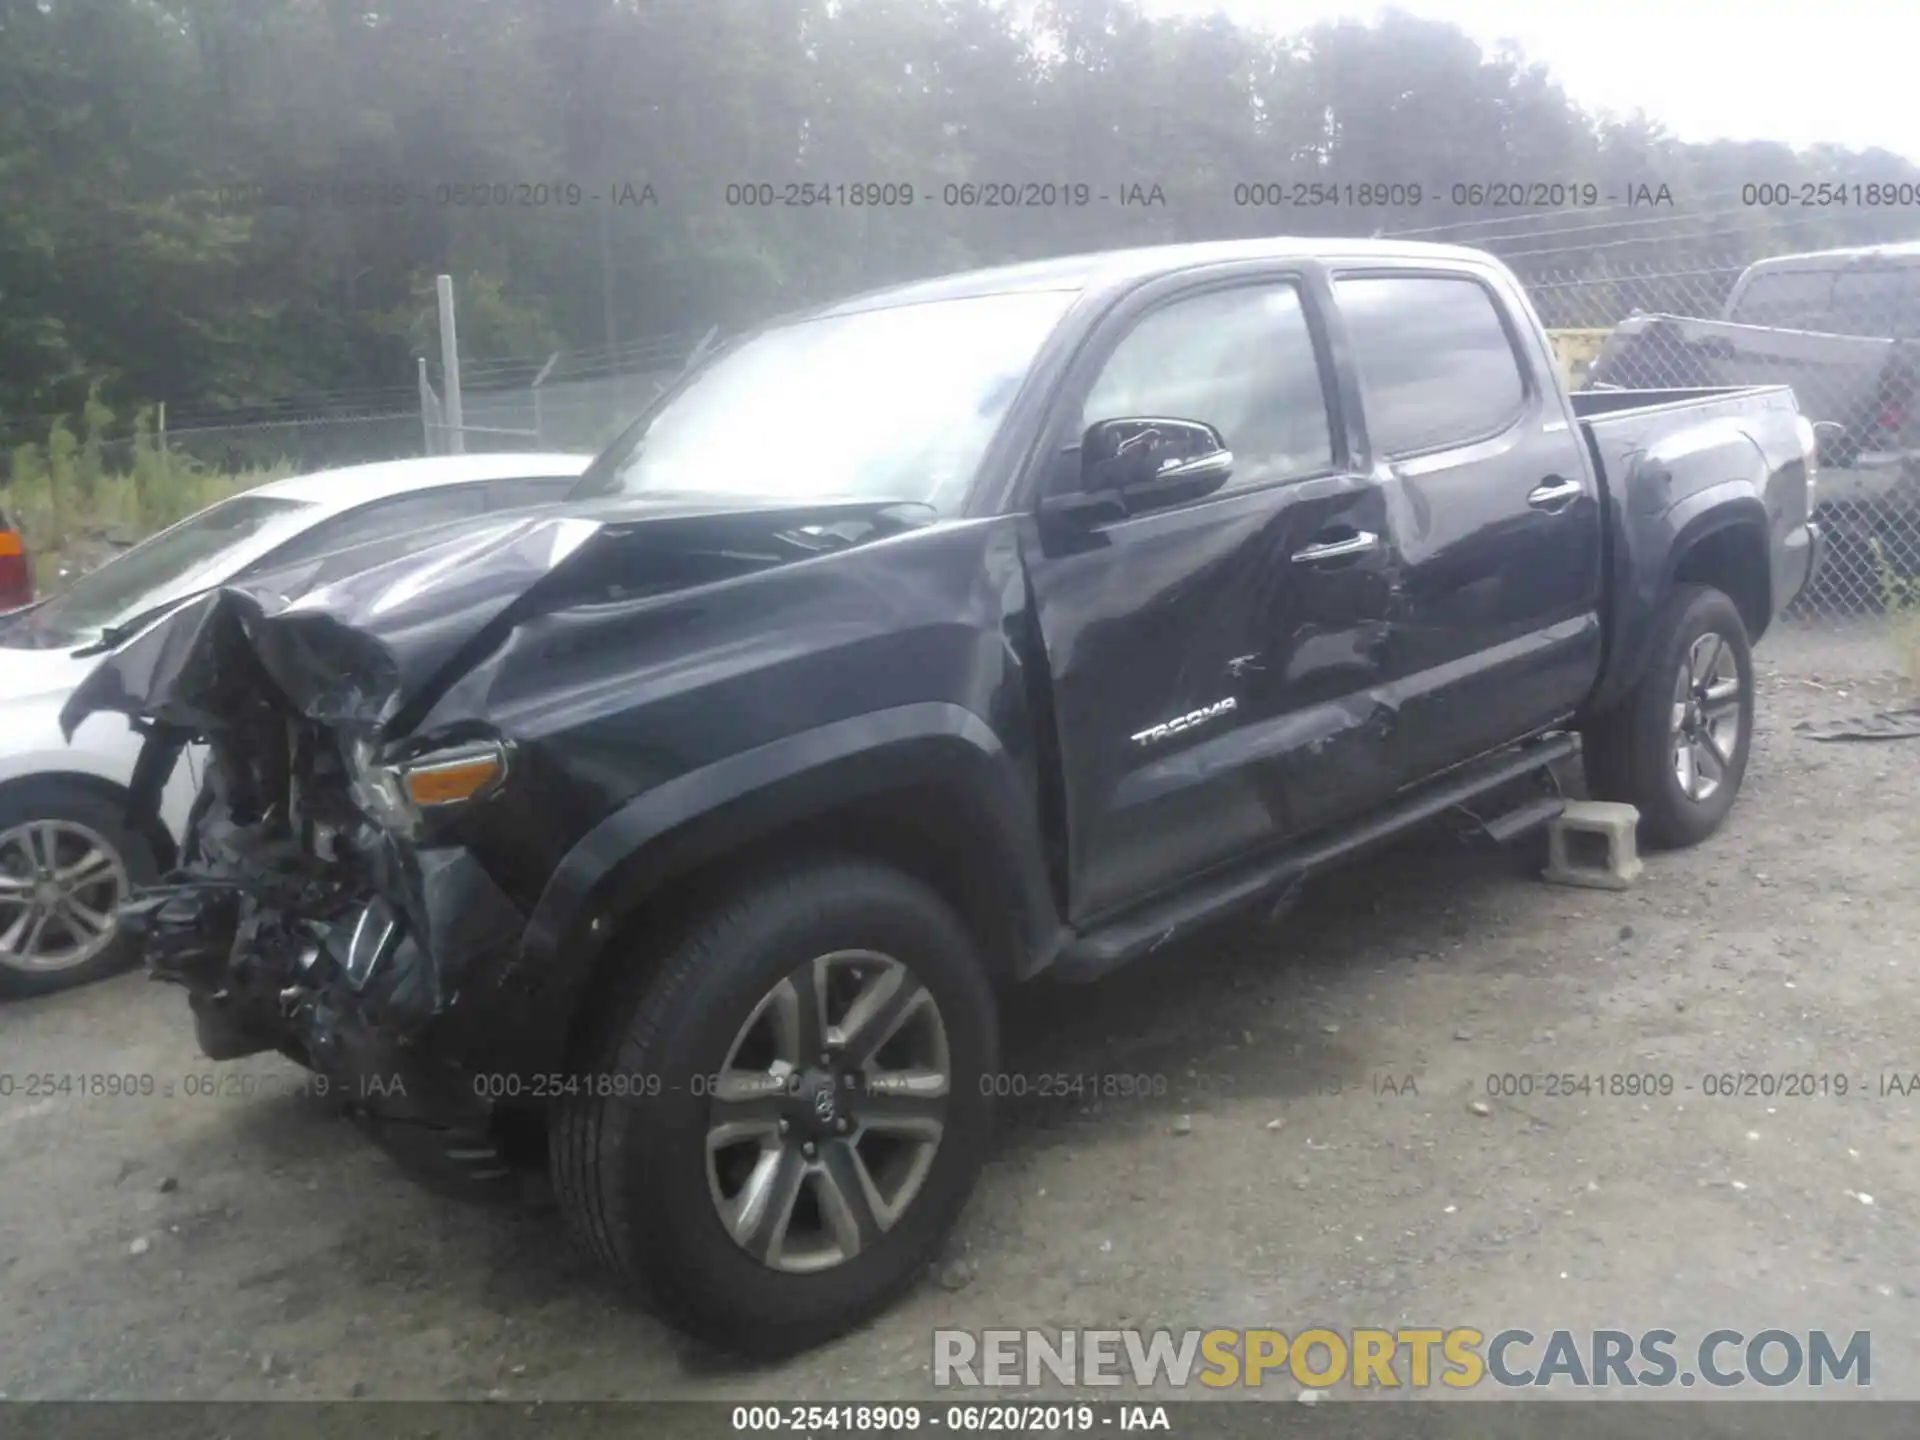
(687, 838)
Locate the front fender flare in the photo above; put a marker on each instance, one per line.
(668, 831)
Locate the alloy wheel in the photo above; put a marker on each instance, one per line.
(60, 882)
(827, 1111)
(1706, 716)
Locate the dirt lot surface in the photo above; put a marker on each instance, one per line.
(253, 1246)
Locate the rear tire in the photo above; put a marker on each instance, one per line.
(55, 828)
(655, 1186)
(1677, 746)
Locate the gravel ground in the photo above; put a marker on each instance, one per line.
(1316, 1156)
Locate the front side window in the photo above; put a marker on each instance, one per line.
(1434, 358)
(1241, 360)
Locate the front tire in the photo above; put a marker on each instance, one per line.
(1677, 746)
(67, 860)
(782, 1118)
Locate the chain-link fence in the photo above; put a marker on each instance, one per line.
(84, 488)
(1842, 327)
(1656, 309)
(575, 401)
(301, 441)
(568, 400)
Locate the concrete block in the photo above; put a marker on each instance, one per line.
(1591, 843)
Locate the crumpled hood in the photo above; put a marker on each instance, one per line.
(369, 645)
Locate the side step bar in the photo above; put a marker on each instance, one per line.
(1133, 934)
(1521, 819)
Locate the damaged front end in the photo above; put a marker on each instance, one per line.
(301, 924)
(305, 917)
(318, 909)
(371, 836)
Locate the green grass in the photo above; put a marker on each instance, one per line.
(1900, 595)
(81, 494)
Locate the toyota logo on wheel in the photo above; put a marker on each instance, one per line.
(823, 1103)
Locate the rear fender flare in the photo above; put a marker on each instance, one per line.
(1729, 505)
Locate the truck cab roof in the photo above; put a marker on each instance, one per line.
(1122, 269)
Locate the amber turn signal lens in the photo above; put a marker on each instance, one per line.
(452, 780)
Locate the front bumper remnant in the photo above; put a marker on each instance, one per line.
(379, 996)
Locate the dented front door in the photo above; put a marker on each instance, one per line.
(1212, 661)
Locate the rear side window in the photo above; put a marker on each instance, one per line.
(1435, 362)
(1785, 299)
(1876, 301)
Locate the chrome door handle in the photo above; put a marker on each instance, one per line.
(1553, 491)
(1357, 544)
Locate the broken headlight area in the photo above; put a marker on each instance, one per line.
(311, 916)
(400, 795)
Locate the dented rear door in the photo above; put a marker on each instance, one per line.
(1497, 633)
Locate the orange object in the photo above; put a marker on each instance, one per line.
(455, 780)
(16, 574)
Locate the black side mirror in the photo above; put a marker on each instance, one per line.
(1145, 463)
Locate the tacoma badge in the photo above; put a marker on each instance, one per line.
(1214, 711)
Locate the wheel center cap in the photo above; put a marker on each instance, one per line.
(47, 894)
(818, 1102)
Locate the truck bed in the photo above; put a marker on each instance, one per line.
(1621, 423)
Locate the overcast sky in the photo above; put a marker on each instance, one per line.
(1802, 71)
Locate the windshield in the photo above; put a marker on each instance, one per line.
(197, 552)
(886, 404)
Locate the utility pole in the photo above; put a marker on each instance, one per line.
(539, 419)
(429, 413)
(450, 370)
(606, 274)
